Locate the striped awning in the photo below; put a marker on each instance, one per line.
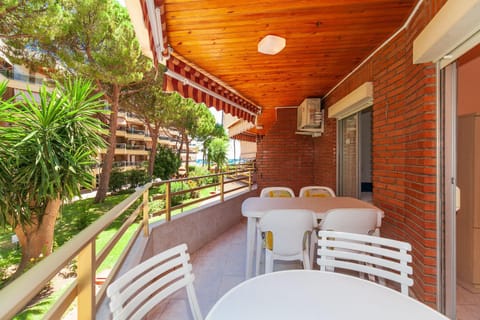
(248, 149)
(238, 127)
(191, 82)
(246, 136)
(181, 75)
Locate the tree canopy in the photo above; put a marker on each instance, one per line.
(47, 152)
(193, 121)
(167, 163)
(92, 39)
(30, 19)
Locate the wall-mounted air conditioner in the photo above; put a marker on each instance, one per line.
(310, 117)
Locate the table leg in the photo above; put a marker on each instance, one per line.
(251, 235)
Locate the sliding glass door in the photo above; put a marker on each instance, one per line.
(355, 155)
(348, 154)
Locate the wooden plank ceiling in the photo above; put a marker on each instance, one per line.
(325, 40)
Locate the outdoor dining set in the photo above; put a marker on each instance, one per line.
(349, 270)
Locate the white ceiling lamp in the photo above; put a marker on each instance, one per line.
(271, 44)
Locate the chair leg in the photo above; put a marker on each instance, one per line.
(307, 264)
(192, 300)
(268, 261)
(258, 252)
(313, 243)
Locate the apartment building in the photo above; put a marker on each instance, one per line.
(134, 141)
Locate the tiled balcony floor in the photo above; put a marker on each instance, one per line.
(468, 304)
(220, 265)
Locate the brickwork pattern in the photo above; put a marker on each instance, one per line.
(404, 148)
(283, 157)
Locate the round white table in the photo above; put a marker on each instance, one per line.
(312, 294)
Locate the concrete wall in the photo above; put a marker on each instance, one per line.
(197, 227)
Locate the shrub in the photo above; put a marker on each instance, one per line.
(117, 180)
(174, 187)
(202, 171)
(167, 163)
(137, 177)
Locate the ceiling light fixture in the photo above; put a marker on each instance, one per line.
(271, 44)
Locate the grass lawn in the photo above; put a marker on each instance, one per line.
(74, 218)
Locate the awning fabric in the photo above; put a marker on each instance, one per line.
(245, 137)
(187, 79)
(192, 83)
(239, 127)
(248, 150)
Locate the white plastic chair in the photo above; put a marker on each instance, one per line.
(355, 220)
(136, 292)
(277, 192)
(290, 230)
(378, 257)
(316, 191)
(269, 192)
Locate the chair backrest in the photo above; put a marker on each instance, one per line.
(376, 256)
(288, 227)
(316, 191)
(136, 292)
(355, 220)
(277, 192)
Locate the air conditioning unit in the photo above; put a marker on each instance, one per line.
(310, 117)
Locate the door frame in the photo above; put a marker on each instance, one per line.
(446, 184)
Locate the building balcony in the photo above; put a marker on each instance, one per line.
(133, 149)
(128, 149)
(129, 165)
(135, 134)
(12, 74)
(121, 132)
(133, 118)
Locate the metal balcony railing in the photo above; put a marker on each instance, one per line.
(120, 164)
(135, 131)
(81, 248)
(121, 145)
(15, 75)
(135, 146)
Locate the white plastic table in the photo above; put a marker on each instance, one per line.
(254, 208)
(313, 294)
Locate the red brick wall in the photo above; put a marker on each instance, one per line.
(325, 156)
(404, 146)
(283, 157)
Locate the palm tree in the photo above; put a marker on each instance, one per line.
(217, 152)
(47, 151)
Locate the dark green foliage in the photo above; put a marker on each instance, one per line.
(49, 149)
(118, 179)
(174, 187)
(137, 177)
(131, 179)
(167, 163)
(217, 152)
(199, 171)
